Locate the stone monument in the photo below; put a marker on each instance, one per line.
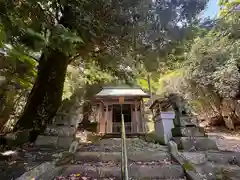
(186, 132)
(61, 133)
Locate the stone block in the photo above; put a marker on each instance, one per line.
(224, 157)
(195, 143)
(65, 142)
(60, 131)
(46, 140)
(135, 171)
(66, 121)
(195, 157)
(186, 121)
(37, 171)
(17, 138)
(188, 132)
(219, 171)
(51, 173)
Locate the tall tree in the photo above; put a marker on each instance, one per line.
(64, 30)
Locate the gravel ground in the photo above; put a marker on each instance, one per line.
(226, 140)
(82, 177)
(228, 144)
(132, 146)
(113, 164)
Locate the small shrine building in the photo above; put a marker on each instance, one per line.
(109, 104)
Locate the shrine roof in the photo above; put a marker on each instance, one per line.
(163, 101)
(119, 91)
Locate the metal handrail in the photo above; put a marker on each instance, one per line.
(124, 160)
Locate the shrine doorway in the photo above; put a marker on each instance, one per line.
(116, 117)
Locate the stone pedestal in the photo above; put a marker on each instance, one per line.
(189, 136)
(60, 134)
(163, 125)
(188, 132)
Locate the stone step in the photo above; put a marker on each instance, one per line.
(116, 156)
(109, 145)
(224, 157)
(54, 141)
(186, 121)
(195, 143)
(135, 171)
(118, 135)
(118, 141)
(188, 132)
(227, 158)
(54, 130)
(195, 157)
(47, 171)
(213, 171)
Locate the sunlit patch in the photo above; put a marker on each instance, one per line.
(9, 153)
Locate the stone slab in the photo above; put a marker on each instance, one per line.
(135, 171)
(118, 141)
(216, 171)
(224, 157)
(51, 173)
(17, 138)
(116, 156)
(65, 142)
(46, 140)
(195, 143)
(188, 132)
(54, 130)
(37, 171)
(195, 157)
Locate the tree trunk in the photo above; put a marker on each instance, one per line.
(46, 95)
(6, 113)
(149, 86)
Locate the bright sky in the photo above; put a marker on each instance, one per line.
(212, 9)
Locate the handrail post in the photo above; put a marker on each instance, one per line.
(124, 161)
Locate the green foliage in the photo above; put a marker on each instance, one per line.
(106, 41)
(210, 67)
(171, 82)
(214, 63)
(64, 39)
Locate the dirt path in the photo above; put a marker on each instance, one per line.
(226, 140)
(14, 163)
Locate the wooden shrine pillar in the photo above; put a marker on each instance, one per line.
(136, 117)
(133, 119)
(102, 119)
(109, 119)
(106, 118)
(98, 117)
(143, 120)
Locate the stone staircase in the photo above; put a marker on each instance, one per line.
(202, 152)
(218, 165)
(189, 137)
(102, 160)
(60, 134)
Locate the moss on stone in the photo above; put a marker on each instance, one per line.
(188, 166)
(93, 138)
(152, 137)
